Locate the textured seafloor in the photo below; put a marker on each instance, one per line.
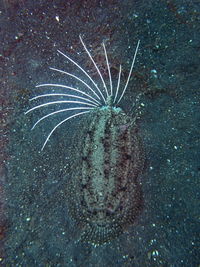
(36, 229)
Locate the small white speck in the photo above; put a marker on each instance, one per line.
(153, 71)
(155, 253)
(125, 256)
(57, 18)
(135, 15)
(152, 241)
(175, 147)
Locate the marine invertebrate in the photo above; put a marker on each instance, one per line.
(101, 97)
(104, 195)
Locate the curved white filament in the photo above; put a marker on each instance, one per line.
(68, 118)
(130, 72)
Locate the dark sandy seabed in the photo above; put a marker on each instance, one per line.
(36, 229)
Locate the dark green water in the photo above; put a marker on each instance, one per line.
(39, 231)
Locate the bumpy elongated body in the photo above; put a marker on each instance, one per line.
(104, 193)
(107, 197)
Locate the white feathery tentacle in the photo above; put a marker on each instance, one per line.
(65, 95)
(118, 83)
(68, 118)
(108, 67)
(90, 78)
(100, 75)
(59, 102)
(67, 87)
(60, 111)
(77, 78)
(130, 72)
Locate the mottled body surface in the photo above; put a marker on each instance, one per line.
(105, 194)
